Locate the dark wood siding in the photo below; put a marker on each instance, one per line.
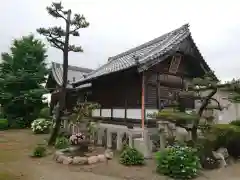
(151, 94)
(118, 90)
(168, 84)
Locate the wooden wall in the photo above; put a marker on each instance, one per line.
(123, 89)
(118, 90)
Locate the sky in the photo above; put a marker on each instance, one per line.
(118, 25)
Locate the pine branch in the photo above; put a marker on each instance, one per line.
(79, 21)
(219, 107)
(53, 36)
(74, 48)
(56, 10)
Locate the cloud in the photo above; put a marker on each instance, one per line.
(118, 25)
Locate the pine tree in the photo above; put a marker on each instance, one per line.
(233, 87)
(22, 72)
(59, 38)
(201, 90)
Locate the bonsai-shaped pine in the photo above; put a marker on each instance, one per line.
(233, 87)
(201, 89)
(80, 114)
(23, 70)
(59, 38)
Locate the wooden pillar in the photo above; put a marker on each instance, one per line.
(158, 91)
(143, 101)
(111, 113)
(125, 102)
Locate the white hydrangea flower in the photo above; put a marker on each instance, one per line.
(40, 125)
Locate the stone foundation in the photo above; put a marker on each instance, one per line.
(61, 157)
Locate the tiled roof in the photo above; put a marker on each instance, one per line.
(74, 73)
(145, 53)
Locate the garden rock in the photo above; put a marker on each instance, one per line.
(92, 159)
(57, 154)
(74, 148)
(60, 158)
(224, 152)
(101, 158)
(64, 150)
(108, 154)
(221, 155)
(67, 160)
(80, 160)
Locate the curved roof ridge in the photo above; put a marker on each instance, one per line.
(75, 68)
(160, 38)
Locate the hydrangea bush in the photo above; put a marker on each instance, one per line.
(76, 139)
(131, 157)
(62, 143)
(40, 126)
(178, 162)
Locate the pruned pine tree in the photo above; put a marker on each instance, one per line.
(59, 38)
(233, 87)
(200, 90)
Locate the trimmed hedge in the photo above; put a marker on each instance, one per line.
(228, 136)
(131, 157)
(3, 124)
(178, 162)
(235, 123)
(45, 113)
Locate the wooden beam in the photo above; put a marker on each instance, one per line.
(130, 122)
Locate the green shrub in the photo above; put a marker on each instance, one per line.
(204, 150)
(178, 162)
(3, 124)
(235, 123)
(45, 113)
(62, 143)
(228, 136)
(39, 151)
(41, 126)
(130, 157)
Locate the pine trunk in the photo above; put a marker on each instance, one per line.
(64, 84)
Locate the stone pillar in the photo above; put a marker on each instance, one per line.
(130, 137)
(100, 136)
(162, 139)
(119, 140)
(109, 139)
(148, 144)
(65, 122)
(189, 136)
(162, 134)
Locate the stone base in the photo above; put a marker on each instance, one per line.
(62, 158)
(145, 149)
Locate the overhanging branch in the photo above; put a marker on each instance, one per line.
(218, 103)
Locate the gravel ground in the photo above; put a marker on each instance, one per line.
(15, 164)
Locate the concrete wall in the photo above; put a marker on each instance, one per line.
(231, 112)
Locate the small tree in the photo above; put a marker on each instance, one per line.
(22, 73)
(59, 38)
(202, 89)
